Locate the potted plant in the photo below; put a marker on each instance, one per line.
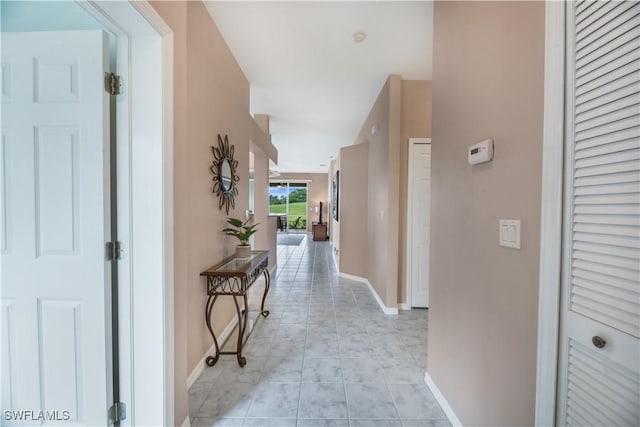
(243, 232)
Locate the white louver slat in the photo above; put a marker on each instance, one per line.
(605, 74)
(601, 392)
(606, 190)
(616, 147)
(583, 6)
(607, 49)
(598, 32)
(598, 14)
(629, 90)
(600, 335)
(603, 131)
(611, 179)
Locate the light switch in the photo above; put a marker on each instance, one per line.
(510, 233)
(504, 232)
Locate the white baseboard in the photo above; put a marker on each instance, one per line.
(202, 363)
(186, 422)
(404, 306)
(453, 418)
(385, 309)
(334, 255)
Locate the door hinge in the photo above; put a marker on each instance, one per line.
(112, 83)
(113, 251)
(117, 413)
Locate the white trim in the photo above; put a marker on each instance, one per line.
(149, 13)
(289, 181)
(202, 364)
(155, 20)
(404, 306)
(145, 342)
(168, 207)
(409, 226)
(551, 215)
(385, 309)
(448, 410)
(334, 255)
(186, 422)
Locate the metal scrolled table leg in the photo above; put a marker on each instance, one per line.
(211, 360)
(267, 283)
(241, 328)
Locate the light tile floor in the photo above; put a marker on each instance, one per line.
(325, 356)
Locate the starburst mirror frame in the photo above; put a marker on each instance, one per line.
(224, 178)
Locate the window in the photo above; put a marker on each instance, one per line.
(289, 199)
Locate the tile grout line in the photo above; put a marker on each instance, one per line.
(268, 356)
(306, 331)
(344, 382)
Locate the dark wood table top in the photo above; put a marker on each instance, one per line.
(236, 267)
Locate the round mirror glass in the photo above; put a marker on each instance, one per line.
(225, 174)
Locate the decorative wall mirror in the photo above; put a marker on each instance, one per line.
(224, 178)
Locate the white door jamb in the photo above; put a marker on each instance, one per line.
(551, 215)
(145, 63)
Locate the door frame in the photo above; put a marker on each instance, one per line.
(145, 207)
(409, 250)
(551, 264)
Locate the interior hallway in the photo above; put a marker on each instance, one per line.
(325, 356)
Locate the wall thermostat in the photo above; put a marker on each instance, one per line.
(481, 152)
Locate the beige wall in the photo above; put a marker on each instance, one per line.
(383, 190)
(354, 163)
(265, 238)
(383, 211)
(415, 122)
(316, 193)
(402, 110)
(487, 83)
(211, 96)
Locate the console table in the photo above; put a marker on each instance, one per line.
(234, 276)
(319, 231)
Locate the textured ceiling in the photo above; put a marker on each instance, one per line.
(308, 75)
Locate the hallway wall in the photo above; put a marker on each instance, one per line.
(211, 96)
(415, 122)
(488, 82)
(265, 238)
(354, 173)
(401, 111)
(383, 190)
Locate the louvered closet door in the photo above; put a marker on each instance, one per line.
(599, 348)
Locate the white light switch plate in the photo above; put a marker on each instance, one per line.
(510, 233)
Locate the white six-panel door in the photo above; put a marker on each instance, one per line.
(419, 234)
(599, 366)
(55, 220)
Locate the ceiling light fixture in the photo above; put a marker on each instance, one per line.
(359, 36)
